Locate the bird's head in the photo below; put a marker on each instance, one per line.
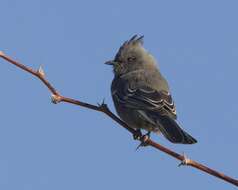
(131, 56)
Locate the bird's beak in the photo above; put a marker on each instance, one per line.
(110, 62)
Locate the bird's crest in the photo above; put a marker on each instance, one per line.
(135, 40)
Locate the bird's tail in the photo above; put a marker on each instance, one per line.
(172, 131)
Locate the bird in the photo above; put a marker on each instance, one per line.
(141, 94)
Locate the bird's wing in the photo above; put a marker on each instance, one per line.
(158, 108)
(146, 98)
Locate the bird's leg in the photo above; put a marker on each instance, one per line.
(148, 134)
(143, 140)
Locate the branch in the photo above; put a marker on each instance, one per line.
(57, 98)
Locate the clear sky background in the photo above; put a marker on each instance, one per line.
(46, 146)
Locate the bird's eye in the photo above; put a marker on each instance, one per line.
(130, 59)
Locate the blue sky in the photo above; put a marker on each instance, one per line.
(46, 146)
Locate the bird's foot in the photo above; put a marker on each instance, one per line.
(137, 135)
(148, 134)
(143, 138)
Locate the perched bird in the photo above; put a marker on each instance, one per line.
(141, 94)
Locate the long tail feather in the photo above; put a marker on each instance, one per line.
(173, 132)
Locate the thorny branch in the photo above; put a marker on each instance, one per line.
(57, 98)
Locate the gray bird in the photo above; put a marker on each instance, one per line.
(141, 94)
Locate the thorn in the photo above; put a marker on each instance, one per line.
(102, 104)
(55, 99)
(140, 145)
(1, 53)
(185, 161)
(41, 71)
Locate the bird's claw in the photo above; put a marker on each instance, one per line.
(137, 135)
(143, 138)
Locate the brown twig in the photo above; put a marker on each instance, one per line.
(57, 98)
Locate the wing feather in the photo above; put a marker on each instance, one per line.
(146, 98)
